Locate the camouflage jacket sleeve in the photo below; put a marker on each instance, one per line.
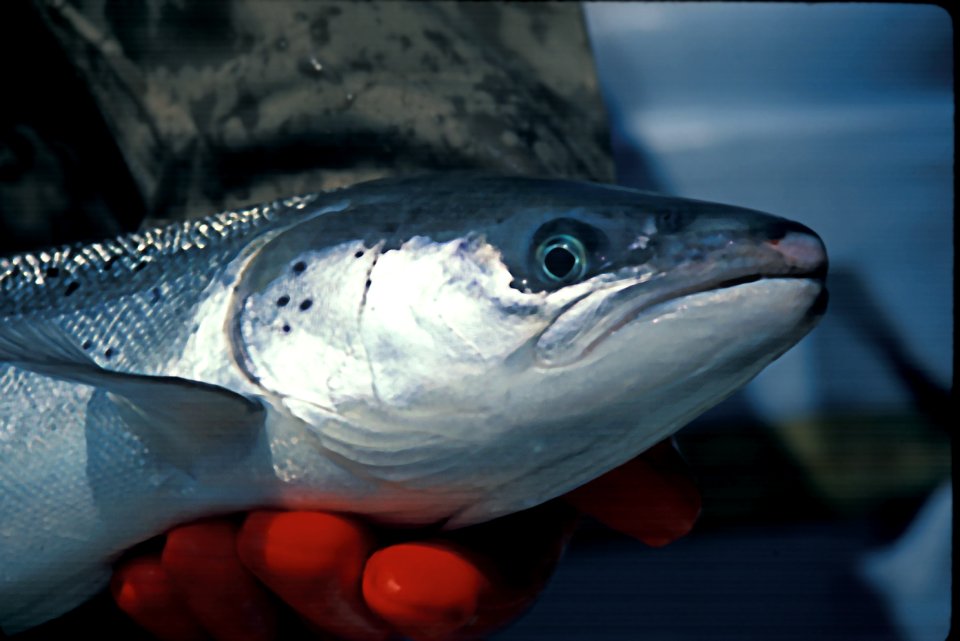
(213, 105)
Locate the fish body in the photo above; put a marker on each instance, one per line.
(431, 350)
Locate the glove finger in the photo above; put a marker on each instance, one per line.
(652, 498)
(469, 582)
(425, 590)
(314, 561)
(143, 591)
(201, 561)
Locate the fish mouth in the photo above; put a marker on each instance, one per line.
(797, 255)
(648, 303)
(595, 317)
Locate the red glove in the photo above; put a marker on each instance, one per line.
(214, 578)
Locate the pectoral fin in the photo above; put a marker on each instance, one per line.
(180, 420)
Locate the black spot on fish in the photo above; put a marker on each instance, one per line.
(299, 267)
(286, 329)
(107, 266)
(359, 254)
(368, 283)
(72, 287)
(154, 296)
(53, 272)
(283, 300)
(87, 344)
(139, 266)
(305, 305)
(15, 271)
(108, 353)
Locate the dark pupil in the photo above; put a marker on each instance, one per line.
(559, 261)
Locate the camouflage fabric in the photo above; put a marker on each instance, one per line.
(210, 105)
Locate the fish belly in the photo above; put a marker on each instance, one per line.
(76, 489)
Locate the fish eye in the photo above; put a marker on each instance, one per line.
(562, 258)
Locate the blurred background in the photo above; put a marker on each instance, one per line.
(827, 498)
(826, 483)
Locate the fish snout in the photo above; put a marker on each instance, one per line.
(799, 247)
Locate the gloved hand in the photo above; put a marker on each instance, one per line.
(359, 583)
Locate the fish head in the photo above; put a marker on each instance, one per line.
(500, 341)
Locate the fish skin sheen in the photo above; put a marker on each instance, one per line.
(442, 349)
